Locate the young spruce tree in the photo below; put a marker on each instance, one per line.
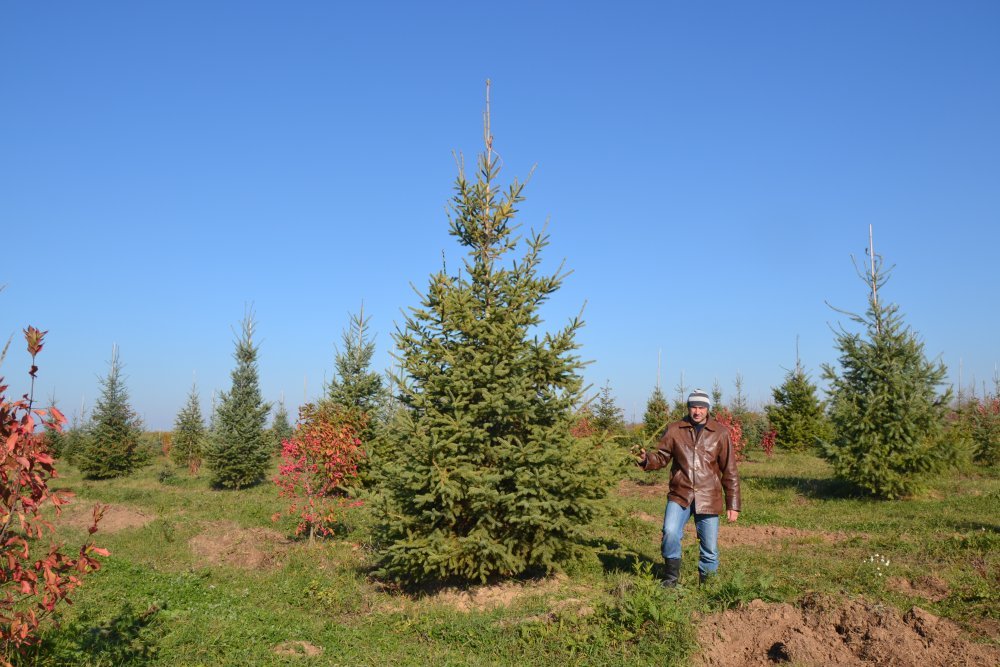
(657, 415)
(359, 391)
(355, 386)
(240, 448)
(886, 414)
(189, 434)
(608, 417)
(110, 445)
(281, 426)
(797, 416)
(485, 479)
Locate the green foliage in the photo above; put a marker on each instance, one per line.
(608, 417)
(485, 478)
(755, 426)
(738, 588)
(884, 407)
(985, 430)
(643, 609)
(797, 415)
(657, 415)
(111, 445)
(240, 449)
(189, 434)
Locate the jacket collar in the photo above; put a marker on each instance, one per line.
(710, 424)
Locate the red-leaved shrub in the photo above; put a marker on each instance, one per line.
(31, 584)
(735, 430)
(316, 461)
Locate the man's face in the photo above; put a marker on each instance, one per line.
(698, 413)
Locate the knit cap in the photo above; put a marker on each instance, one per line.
(698, 397)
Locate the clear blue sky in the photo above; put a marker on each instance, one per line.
(707, 170)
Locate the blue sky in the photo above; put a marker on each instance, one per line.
(706, 170)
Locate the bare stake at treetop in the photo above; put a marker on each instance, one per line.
(485, 479)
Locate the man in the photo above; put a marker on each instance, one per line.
(703, 467)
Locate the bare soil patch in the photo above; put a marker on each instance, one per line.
(79, 514)
(228, 543)
(928, 588)
(298, 648)
(735, 535)
(826, 631)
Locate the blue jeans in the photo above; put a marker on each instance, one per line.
(707, 527)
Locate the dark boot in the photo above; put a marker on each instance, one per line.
(704, 576)
(673, 566)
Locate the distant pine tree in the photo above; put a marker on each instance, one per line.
(798, 417)
(110, 446)
(886, 413)
(608, 417)
(739, 405)
(657, 415)
(240, 448)
(188, 447)
(717, 395)
(281, 427)
(485, 478)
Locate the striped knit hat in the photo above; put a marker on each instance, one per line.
(698, 397)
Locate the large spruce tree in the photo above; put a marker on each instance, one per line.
(240, 448)
(110, 443)
(885, 410)
(798, 416)
(189, 434)
(485, 479)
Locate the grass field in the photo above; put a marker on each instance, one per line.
(203, 577)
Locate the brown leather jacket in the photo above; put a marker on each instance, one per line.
(703, 467)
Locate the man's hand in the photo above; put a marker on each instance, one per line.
(732, 515)
(642, 458)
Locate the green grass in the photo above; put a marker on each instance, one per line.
(156, 602)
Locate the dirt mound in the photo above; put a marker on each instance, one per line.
(928, 588)
(227, 543)
(298, 649)
(735, 535)
(80, 514)
(824, 631)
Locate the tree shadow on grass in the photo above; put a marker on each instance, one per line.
(817, 489)
(617, 558)
(127, 639)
